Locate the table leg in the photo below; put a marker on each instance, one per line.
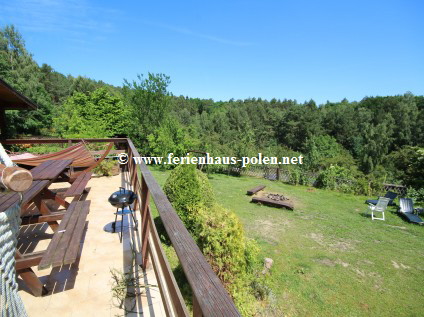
(31, 280)
(45, 210)
(48, 194)
(64, 177)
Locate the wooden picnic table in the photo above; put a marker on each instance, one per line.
(55, 170)
(43, 175)
(64, 246)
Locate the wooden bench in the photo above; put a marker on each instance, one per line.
(78, 186)
(65, 244)
(255, 190)
(63, 248)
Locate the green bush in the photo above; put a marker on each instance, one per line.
(349, 181)
(218, 233)
(416, 194)
(45, 148)
(187, 188)
(337, 178)
(298, 176)
(295, 176)
(105, 168)
(407, 166)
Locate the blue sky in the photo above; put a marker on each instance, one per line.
(324, 50)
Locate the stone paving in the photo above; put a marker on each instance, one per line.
(85, 288)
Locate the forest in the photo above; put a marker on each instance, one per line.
(352, 146)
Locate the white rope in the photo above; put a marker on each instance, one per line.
(4, 158)
(11, 304)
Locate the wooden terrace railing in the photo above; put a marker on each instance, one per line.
(209, 295)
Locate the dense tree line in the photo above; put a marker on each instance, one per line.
(48, 88)
(377, 138)
(366, 137)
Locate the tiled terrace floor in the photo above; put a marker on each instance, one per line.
(84, 289)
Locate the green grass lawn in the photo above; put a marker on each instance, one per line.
(329, 259)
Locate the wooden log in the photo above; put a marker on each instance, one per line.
(273, 203)
(255, 190)
(14, 178)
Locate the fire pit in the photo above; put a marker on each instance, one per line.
(273, 200)
(276, 197)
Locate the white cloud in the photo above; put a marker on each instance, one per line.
(74, 19)
(68, 17)
(189, 32)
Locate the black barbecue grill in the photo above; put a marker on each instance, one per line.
(122, 199)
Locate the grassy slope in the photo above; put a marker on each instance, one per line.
(330, 260)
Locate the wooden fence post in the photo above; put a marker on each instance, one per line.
(71, 168)
(145, 218)
(197, 311)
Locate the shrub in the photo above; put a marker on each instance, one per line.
(187, 188)
(217, 231)
(105, 168)
(416, 194)
(336, 178)
(295, 176)
(349, 181)
(299, 176)
(44, 149)
(407, 165)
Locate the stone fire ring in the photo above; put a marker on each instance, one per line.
(273, 200)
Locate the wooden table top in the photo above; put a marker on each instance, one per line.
(43, 175)
(8, 199)
(50, 170)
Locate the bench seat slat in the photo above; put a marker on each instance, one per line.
(58, 256)
(74, 244)
(57, 247)
(78, 186)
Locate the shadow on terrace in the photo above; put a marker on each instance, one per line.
(98, 274)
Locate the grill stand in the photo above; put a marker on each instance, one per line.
(122, 213)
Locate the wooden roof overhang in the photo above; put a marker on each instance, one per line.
(11, 99)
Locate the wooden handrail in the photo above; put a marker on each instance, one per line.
(46, 141)
(209, 295)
